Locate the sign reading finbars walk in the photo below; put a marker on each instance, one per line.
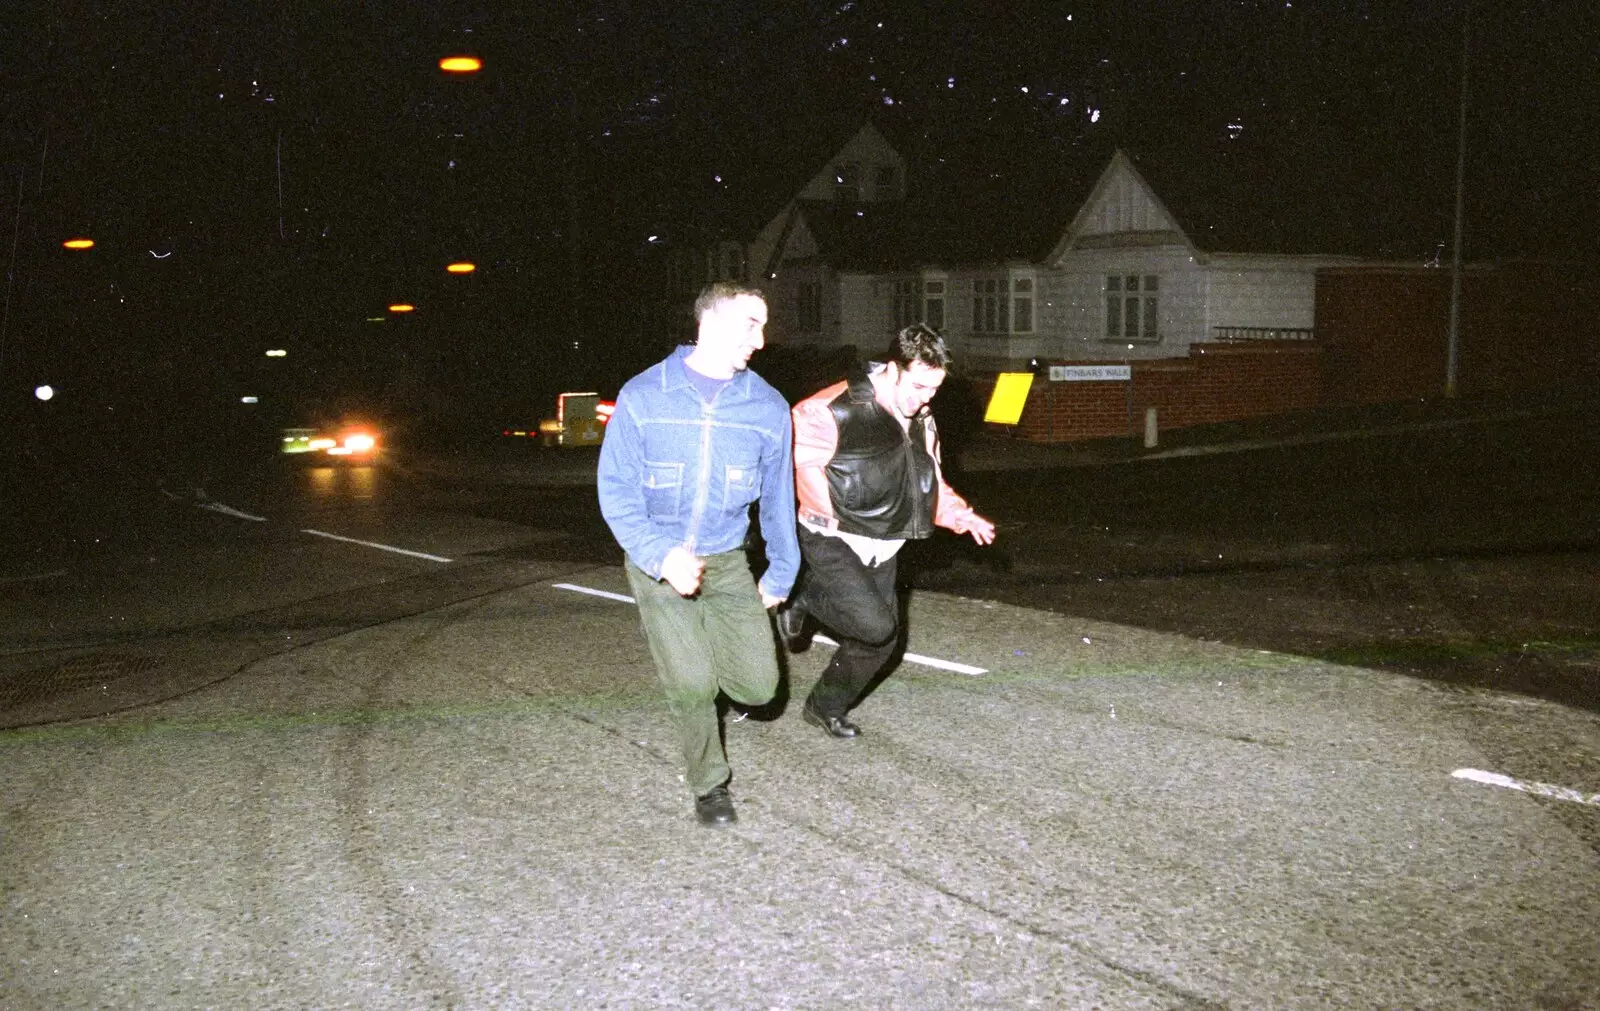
(1089, 373)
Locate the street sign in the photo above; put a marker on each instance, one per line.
(1089, 373)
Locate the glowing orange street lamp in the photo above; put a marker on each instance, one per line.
(402, 307)
(79, 244)
(462, 268)
(460, 64)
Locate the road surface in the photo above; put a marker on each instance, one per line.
(317, 738)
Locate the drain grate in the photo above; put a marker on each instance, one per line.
(88, 672)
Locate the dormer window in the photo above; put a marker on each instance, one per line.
(847, 181)
(886, 183)
(731, 264)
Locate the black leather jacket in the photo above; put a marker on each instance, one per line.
(881, 478)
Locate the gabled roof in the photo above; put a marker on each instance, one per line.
(1017, 200)
(1122, 203)
(1226, 204)
(766, 173)
(949, 218)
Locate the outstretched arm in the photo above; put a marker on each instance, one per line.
(953, 513)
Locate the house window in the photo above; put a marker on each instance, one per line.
(886, 182)
(990, 306)
(1022, 305)
(1133, 307)
(907, 303)
(847, 181)
(808, 307)
(933, 304)
(1002, 305)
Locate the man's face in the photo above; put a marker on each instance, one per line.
(733, 330)
(914, 385)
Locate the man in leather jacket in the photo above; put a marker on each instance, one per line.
(867, 479)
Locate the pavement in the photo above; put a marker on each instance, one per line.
(477, 803)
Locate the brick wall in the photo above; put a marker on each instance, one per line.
(1522, 326)
(1217, 382)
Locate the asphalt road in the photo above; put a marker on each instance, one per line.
(426, 765)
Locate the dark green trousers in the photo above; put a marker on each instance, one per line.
(718, 640)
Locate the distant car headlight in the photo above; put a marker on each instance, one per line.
(360, 442)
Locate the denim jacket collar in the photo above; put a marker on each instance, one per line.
(675, 374)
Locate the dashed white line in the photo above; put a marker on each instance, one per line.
(926, 661)
(916, 658)
(595, 593)
(1538, 789)
(375, 544)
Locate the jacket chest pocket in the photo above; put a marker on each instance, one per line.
(663, 489)
(741, 484)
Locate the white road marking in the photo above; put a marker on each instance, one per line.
(375, 544)
(595, 593)
(226, 510)
(926, 661)
(916, 658)
(1539, 789)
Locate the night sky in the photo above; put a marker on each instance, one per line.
(267, 174)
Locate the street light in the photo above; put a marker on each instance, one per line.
(402, 307)
(79, 244)
(460, 64)
(462, 268)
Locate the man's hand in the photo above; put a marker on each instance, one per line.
(768, 601)
(682, 571)
(981, 529)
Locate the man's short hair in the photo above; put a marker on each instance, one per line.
(722, 291)
(918, 342)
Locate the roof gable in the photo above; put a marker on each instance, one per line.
(868, 152)
(1122, 209)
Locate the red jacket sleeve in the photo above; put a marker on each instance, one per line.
(816, 439)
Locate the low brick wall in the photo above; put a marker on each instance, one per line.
(1217, 382)
(1522, 326)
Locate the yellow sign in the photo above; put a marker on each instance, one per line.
(1010, 394)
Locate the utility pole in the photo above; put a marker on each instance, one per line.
(1452, 353)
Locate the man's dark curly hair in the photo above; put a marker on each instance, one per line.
(918, 342)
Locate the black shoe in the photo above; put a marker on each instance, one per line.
(715, 807)
(792, 627)
(834, 726)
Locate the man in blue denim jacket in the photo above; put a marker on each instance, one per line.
(695, 440)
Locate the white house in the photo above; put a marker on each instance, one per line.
(1093, 269)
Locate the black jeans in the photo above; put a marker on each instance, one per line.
(858, 603)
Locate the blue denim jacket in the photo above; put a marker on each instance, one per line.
(676, 470)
